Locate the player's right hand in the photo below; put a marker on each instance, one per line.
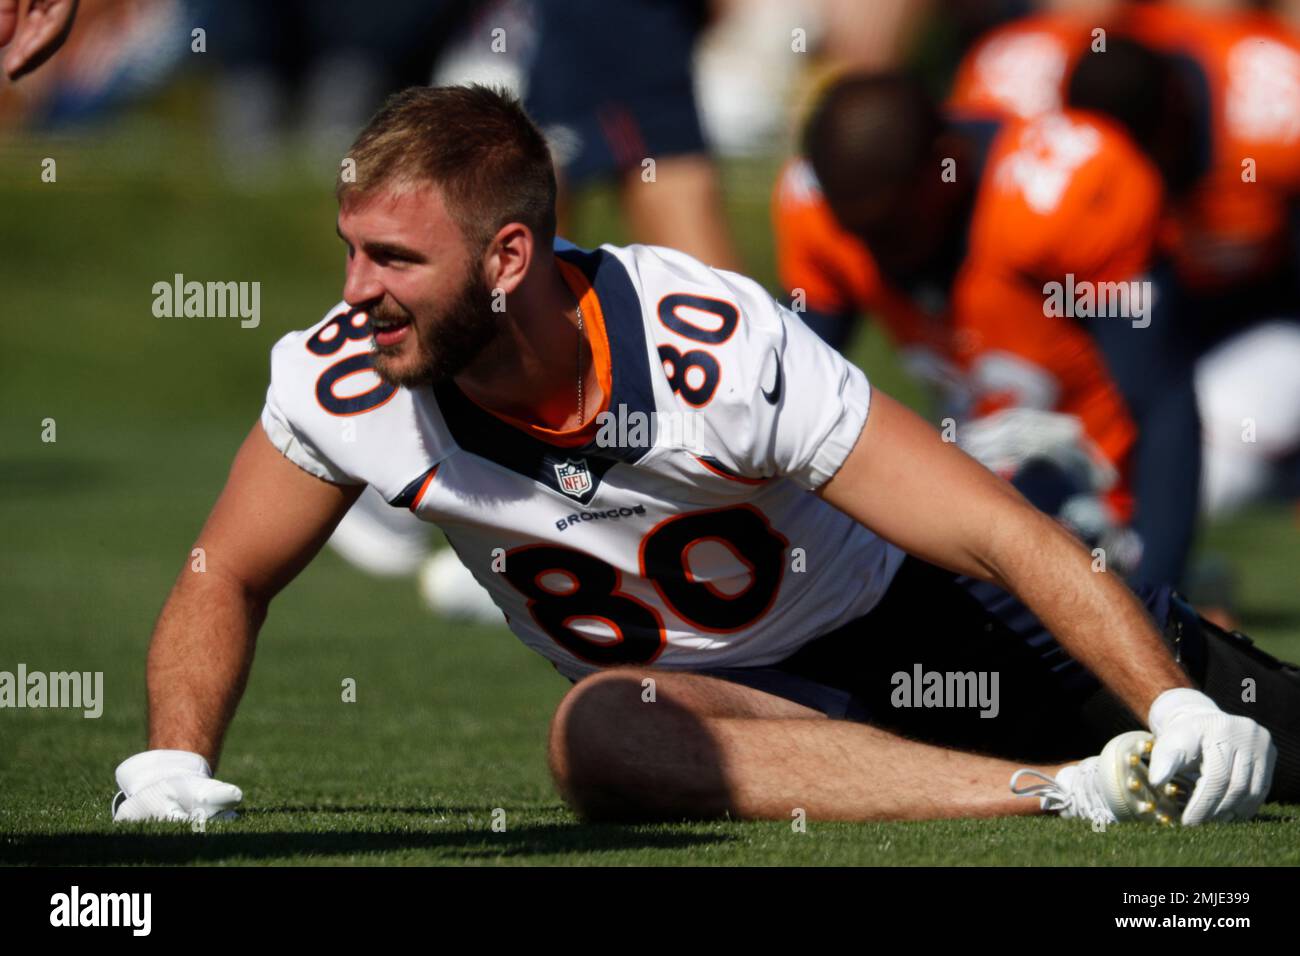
(1232, 756)
(171, 785)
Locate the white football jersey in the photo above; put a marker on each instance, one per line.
(681, 533)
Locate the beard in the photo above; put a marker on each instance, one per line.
(443, 347)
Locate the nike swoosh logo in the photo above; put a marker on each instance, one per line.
(774, 395)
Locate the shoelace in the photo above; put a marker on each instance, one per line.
(1048, 790)
(1054, 796)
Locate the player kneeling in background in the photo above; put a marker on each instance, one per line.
(769, 568)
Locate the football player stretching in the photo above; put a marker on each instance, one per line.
(735, 611)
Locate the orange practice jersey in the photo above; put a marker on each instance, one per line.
(1020, 69)
(1245, 68)
(1066, 194)
(1234, 226)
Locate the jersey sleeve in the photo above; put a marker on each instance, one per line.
(783, 402)
(298, 430)
(817, 418)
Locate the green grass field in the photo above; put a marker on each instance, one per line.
(450, 720)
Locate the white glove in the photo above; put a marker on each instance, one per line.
(171, 785)
(1234, 756)
(1005, 440)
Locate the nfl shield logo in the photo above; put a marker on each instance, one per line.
(573, 477)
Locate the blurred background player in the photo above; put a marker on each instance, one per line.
(947, 230)
(1020, 71)
(1211, 91)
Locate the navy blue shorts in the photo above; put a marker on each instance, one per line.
(610, 83)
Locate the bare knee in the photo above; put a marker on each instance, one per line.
(619, 753)
(591, 766)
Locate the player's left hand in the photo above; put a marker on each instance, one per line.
(1233, 756)
(38, 36)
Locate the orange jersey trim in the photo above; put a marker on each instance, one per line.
(424, 487)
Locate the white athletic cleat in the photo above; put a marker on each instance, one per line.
(1111, 787)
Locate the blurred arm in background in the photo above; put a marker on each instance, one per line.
(612, 87)
(870, 36)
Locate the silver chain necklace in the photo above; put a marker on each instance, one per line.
(582, 405)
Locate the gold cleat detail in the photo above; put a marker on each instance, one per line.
(1127, 788)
